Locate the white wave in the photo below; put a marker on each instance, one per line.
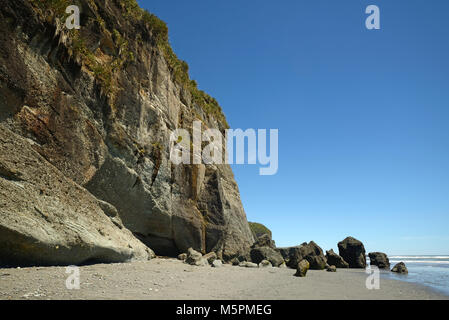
(419, 261)
(419, 257)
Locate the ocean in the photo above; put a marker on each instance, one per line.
(431, 271)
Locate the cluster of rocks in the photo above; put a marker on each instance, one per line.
(381, 260)
(306, 251)
(310, 256)
(195, 258)
(352, 254)
(265, 249)
(307, 256)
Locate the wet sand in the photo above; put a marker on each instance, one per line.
(172, 279)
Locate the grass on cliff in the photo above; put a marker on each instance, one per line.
(58, 6)
(159, 31)
(259, 229)
(179, 68)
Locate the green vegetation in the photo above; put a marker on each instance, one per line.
(179, 68)
(104, 71)
(259, 229)
(57, 6)
(158, 27)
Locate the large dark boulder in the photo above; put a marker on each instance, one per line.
(334, 259)
(302, 268)
(48, 219)
(259, 254)
(264, 249)
(353, 252)
(308, 251)
(379, 259)
(400, 268)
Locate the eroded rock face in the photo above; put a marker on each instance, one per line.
(335, 260)
(353, 252)
(109, 131)
(265, 249)
(309, 251)
(47, 219)
(400, 268)
(379, 259)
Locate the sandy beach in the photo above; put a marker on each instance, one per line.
(172, 279)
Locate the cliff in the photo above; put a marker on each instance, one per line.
(85, 122)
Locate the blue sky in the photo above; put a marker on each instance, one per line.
(363, 115)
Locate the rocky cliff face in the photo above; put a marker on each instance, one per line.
(96, 106)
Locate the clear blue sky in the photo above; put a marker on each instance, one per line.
(363, 116)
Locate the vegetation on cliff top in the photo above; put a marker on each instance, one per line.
(159, 31)
(259, 229)
(179, 68)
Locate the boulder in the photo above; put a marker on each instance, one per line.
(336, 260)
(217, 264)
(353, 252)
(195, 258)
(309, 251)
(182, 256)
(332, 268)
(265, 264)
(379, 259)
(266, 253)
(400, 268)
(210, 257)
(303, 267)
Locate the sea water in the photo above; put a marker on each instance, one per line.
(431, 271)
